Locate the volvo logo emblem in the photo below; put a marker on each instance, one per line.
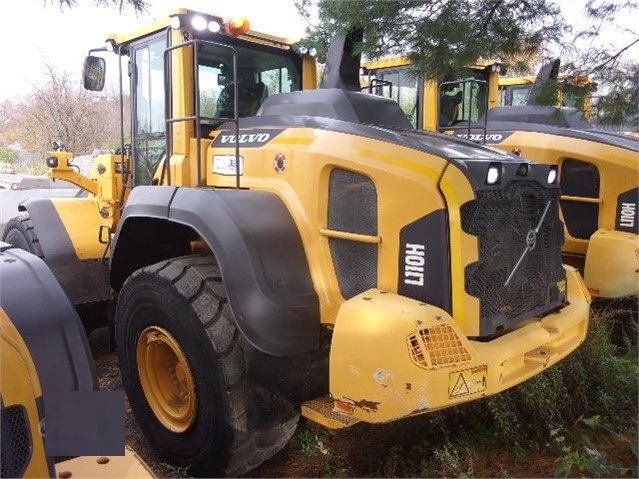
(531, 240)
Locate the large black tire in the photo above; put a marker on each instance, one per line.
(20, 232)
(186, 298)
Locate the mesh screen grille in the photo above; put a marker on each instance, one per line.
(15, 442)
(437, 346)
(352, 208)
(502, 219)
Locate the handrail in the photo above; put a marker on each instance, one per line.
(197, 117)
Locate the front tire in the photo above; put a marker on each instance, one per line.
(184, 369)
(20, 232)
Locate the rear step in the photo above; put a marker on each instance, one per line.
(322, 411)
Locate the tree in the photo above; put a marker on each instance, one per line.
(62, 110)
(7, 155)
(439, 36)
(138, 5)
(617, 77)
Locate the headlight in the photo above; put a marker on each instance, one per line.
(214, 27)
(199, 23)
(175, 23)
(552, 175)
(492, 177)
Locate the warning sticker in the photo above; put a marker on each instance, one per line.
(469, 381)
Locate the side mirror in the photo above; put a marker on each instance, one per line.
(93, 73)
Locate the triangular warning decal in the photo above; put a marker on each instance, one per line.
(460, 387)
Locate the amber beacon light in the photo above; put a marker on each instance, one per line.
(238, 26)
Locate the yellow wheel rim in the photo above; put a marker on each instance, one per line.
(167, 379)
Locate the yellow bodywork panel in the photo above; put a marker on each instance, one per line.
(19, 386)
(82, 220)
(393, 357)
(83, 217)
(107, 172)
(406, 182)
(612, 264)
(463, 251)
(128, 466)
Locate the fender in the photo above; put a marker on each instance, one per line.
(84, 281)
(47, 322)
(257, 246)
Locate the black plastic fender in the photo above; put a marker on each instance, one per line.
(47, 322)
(257, 246)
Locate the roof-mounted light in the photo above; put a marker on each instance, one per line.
(238, 26)
(175, 22)
(199, 23)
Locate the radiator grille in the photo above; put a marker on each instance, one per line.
(15, 442)
(352, 208)
(437, 346)
(502, 220)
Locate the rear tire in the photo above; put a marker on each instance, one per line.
(183, 302)
(20, 232)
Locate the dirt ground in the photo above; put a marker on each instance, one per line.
(375, 451)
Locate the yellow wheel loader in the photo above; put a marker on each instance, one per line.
(599, 178)
(43, 350)
(320, 258)
(598, 170)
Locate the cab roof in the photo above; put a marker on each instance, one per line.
(164, 22)
(399, 61)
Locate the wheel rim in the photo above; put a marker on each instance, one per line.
(167, 379)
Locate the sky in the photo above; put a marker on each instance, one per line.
(42, 33)
(38, 32)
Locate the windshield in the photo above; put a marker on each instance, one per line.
(261, 73)
(460, 101)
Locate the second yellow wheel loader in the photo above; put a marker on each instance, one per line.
(598, 170)
(320, 258)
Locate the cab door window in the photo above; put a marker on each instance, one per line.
(149, 130)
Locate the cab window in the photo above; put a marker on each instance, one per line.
(149, 141)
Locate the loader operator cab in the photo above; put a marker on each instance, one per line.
(429, 105)
(167, 107)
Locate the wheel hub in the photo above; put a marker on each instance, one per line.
(166, 379)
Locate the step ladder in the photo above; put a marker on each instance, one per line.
(322, 411)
